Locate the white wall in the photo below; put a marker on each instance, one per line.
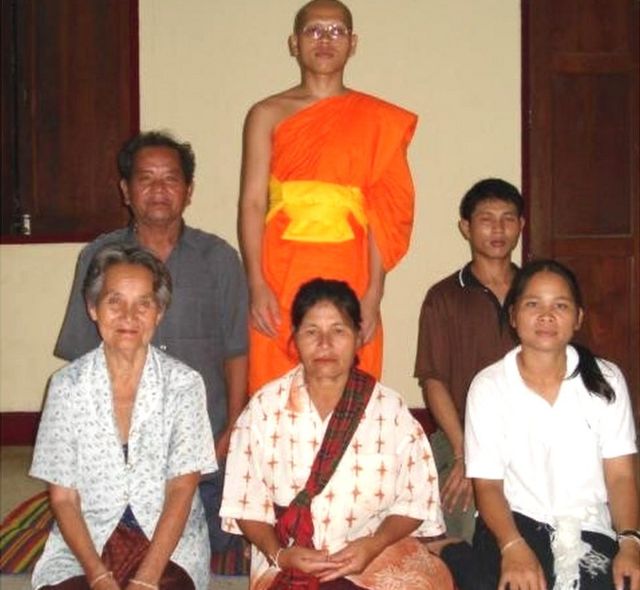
(204, 62)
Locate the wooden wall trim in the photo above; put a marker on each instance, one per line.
(18, 428)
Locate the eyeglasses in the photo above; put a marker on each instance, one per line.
(317, 31)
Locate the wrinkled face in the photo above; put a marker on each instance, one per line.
(126, 312)
(326, 342)
(494, 229)
(546, 315)
(324, 44)
(157, 191)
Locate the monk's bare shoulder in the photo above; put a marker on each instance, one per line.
(268, 112)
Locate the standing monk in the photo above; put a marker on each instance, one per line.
(325, 191)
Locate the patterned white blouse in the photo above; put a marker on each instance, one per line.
(387, 468)
(78, 446)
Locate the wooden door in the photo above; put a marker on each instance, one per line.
(69, 100)
(581, 160)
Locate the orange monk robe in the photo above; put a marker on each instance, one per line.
(338, 171)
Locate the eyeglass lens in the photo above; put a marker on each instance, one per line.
(318, 31)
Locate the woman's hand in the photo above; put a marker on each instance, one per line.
(626, 564)
(521, 569)
(358, 554)
(265, 311)
(353, 558)
(179, 492)
(66, 506)
(620, 475)
(308, 561)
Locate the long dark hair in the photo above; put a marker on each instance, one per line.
(587, 368)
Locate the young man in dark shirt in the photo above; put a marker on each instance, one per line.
(463, 328)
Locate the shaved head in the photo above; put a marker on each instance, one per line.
(301, 16)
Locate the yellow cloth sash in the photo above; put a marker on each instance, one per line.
(319, 211)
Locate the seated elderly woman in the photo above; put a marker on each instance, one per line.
(123, 440)
(328, 474)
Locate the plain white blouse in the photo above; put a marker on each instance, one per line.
(549, 456)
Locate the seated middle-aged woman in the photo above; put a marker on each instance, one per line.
(123, 439)
(550, 445)
(328, 474)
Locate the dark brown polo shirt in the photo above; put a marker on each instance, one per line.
(463, 329)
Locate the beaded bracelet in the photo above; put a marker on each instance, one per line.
(99, 578)
(143, 584)
(510, 544)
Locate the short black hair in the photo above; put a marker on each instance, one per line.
(127, 154)
(301, 15)
(337, 293)
(490, 188)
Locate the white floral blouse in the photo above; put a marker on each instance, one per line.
(78, 446)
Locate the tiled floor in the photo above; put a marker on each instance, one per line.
(16, 486)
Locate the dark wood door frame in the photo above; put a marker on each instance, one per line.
(580, 160)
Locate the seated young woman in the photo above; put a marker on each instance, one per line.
(123, 439)
(328, 474)
(550, 445)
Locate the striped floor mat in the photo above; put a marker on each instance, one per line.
(24, 532)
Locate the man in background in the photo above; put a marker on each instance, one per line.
(206, 324)
(464, 328)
